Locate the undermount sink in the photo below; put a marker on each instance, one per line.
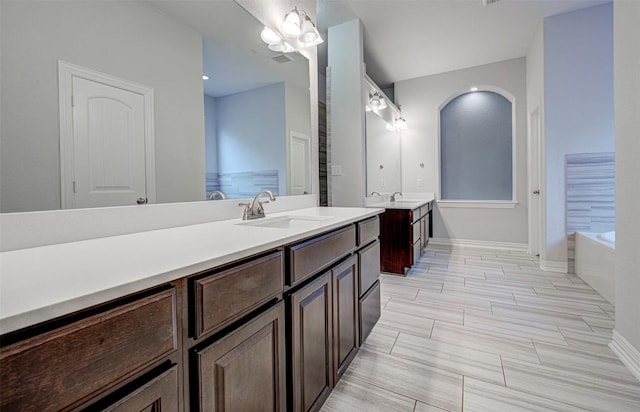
(286, 222)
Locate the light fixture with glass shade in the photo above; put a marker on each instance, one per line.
(298, 30)
(377, 102)
(291, 25)
(401, 123)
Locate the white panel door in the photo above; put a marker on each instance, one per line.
(108, 145)
(299, 172)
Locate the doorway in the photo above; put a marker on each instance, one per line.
(106, 140)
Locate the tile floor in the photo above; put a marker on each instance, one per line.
(486, 330)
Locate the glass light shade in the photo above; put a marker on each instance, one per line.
(269, 36)
(291, 24)
(309, 34)
(401, 124)
(383, 104)
(374, 101)
(390, 127)
(282, 47)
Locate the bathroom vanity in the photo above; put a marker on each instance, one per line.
(405, 228)
(231, 315)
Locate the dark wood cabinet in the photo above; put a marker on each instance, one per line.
(345, 315)
(270, 332)
(403, 235)
(245, 370)
(69, 365)
(311, 344)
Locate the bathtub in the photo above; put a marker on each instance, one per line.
(594, 260)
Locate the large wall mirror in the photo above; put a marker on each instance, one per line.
(94, 59)
(383, 143)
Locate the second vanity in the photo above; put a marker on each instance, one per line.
(405, 229)
(230, 315)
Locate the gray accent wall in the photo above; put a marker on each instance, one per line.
(476, 147)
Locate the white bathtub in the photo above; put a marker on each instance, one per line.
(594, 259)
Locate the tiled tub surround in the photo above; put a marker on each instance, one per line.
(41, 283)
(590, 187)
(238, 185)
(486, 330)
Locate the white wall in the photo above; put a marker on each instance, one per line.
(345, 128)
(627, 129)
(251, 132)
(210, 134)
(130, 40)
(420, 100)
(578, 96)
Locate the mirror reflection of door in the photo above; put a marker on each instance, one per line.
(299, 167)
(106, 142)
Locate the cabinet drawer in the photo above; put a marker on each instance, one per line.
(369, 311)
(416, 231)
(311, 256)
(424, 210)
(224, 297)
(369, 260)
(415, 215)
(66, 367)
(368, 230)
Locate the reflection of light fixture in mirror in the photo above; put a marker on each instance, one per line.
(205, 77)
(282, 47)
(473, 89)
(377, 102)
(390, 127)
(401, 123)
(269, 36)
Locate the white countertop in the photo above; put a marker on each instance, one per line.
(403, 204)
(42, 283)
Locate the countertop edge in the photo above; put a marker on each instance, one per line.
(26, 318)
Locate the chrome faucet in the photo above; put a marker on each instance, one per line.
(375, 193)
(212, 195)
(254, 210)
(393, 196)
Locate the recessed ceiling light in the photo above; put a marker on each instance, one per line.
(474, 89)
(205, 77)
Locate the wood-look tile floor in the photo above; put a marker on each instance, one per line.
(487, 330)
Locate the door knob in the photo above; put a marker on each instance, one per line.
(141, 200)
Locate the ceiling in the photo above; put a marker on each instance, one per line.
(404, 39)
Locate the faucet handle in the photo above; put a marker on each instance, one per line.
(245, 212)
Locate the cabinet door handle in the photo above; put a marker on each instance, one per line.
(141, 200)
(536, 192)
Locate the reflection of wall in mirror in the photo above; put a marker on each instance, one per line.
(249, 137)
(130, 40)
(383, 149)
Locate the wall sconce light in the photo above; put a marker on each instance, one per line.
(377, 102)
(298, 28)
(401, 123)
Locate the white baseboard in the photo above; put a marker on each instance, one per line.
(479, 243)
(629, 355)
(554, 266)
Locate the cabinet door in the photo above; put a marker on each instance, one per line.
(245, 370)
(311, 340)
(369, 266)
(159, 394)
(345, 315)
